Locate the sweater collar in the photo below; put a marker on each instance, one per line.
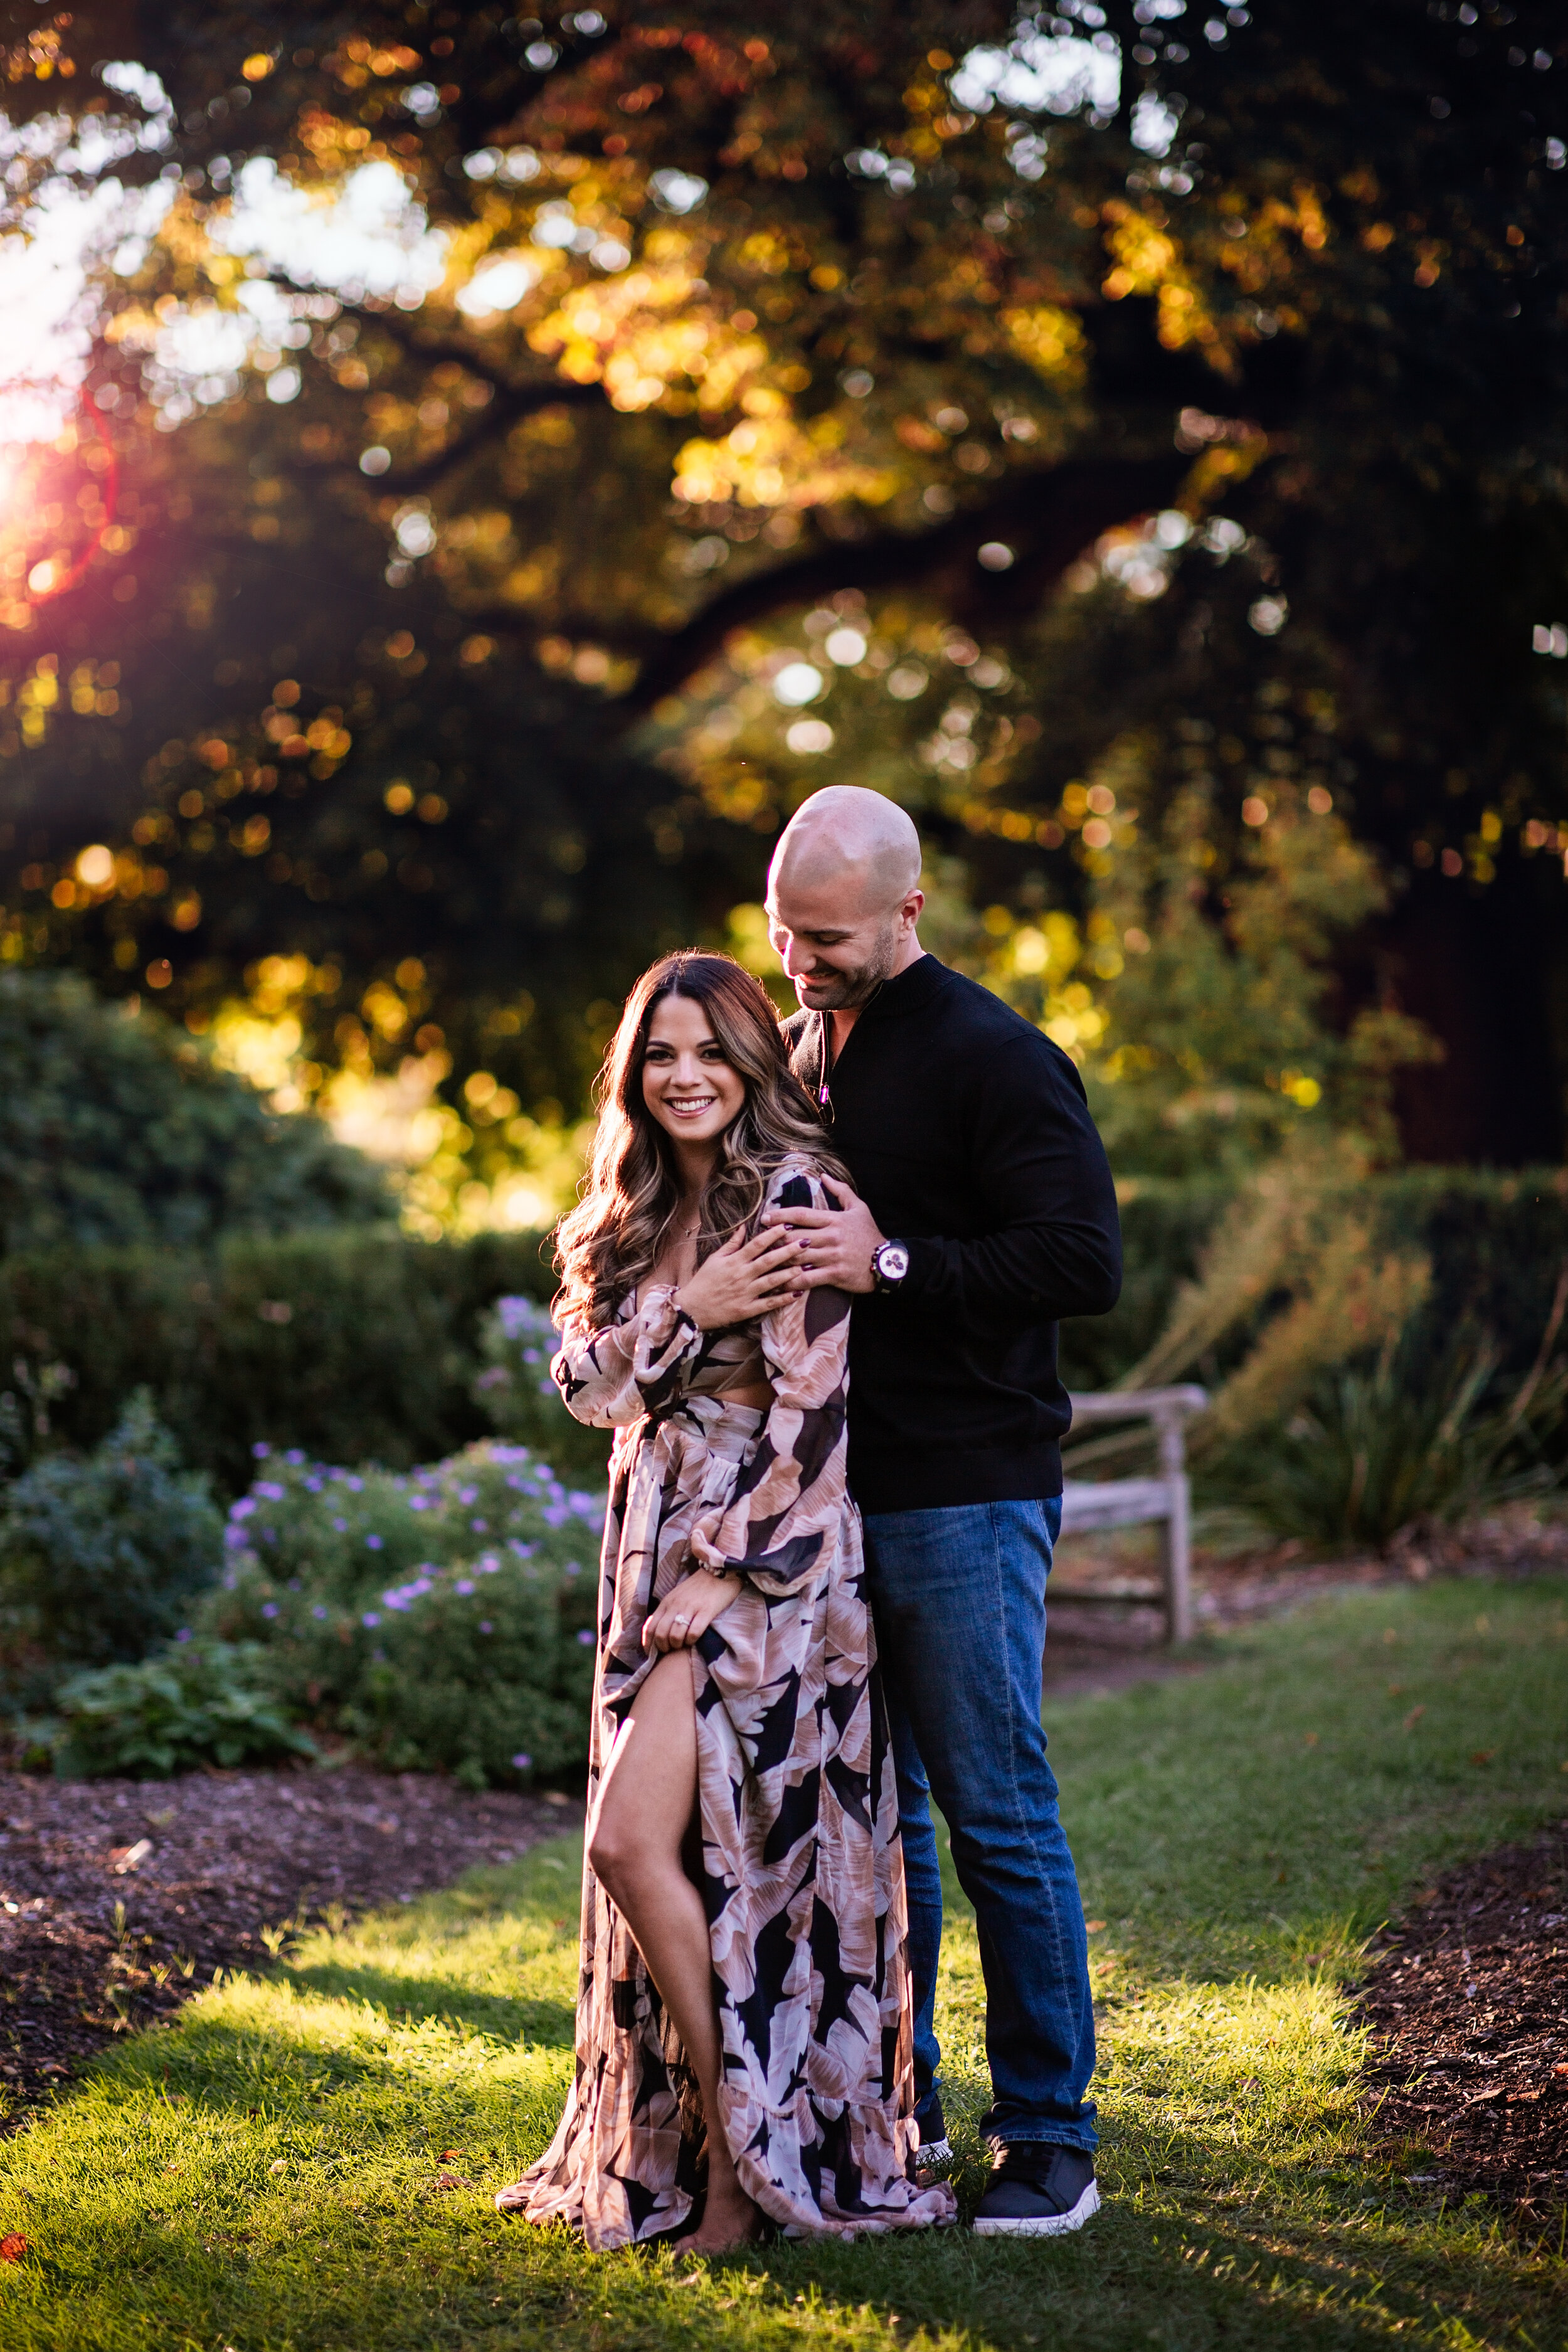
(909, 991)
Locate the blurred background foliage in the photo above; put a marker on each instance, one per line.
(119, 1129)
(508, 460)
(465, 476)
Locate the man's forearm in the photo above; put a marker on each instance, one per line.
(1042, 1272)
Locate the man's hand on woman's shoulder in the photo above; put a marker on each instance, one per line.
(833, 1246)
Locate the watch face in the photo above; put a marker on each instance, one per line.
(892, 1261)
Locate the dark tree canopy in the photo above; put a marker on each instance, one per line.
(738, 316)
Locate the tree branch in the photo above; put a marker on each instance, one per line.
(512, 400)
(1045, 518)
(512, 403)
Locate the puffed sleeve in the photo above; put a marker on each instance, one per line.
(610, 1377)
(773, 1517)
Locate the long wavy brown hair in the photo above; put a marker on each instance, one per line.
(612, 1239)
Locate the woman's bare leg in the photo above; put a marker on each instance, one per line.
(634, 1847)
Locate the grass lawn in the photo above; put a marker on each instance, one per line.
(267, 2174)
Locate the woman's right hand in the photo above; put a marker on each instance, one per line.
(743, 1280)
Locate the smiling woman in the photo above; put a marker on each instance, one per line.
(688, 1083)
(697, 1108)
(735, 1681)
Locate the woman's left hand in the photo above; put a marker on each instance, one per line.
(683, 1616)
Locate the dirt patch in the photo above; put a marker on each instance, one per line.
(1101, 1641)
(1468, 2000)
(121, 1898)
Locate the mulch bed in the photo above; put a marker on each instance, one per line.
(1468, 1999)
(121, 1898)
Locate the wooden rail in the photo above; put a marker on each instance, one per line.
(1091, 1505)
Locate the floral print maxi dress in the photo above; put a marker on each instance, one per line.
(801, 1870)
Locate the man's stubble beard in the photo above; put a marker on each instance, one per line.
(850, 991)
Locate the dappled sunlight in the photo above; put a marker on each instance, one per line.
(483, 1958)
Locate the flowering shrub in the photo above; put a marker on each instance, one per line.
(441, 1617)
(100, 1558)
(516, 1339)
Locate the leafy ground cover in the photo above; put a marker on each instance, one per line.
(307, 2160)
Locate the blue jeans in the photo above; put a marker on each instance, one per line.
(959, 1599)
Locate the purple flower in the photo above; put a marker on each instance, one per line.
(341, 1526)
(585, 1638)
(467, 1495)
(370, 1618)
(464, 1585)
(522, 1763)
(354, 1485)
(242, 1509)
(267, 1487)
(184, 1634)
(485, 1625)
(481, 1527)
(234, 1539)
(260, 1451)
(373, 1543)
(270, 1609)
(419, 1502)
(318, 1611)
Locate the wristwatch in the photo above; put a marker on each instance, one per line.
(890, 1264)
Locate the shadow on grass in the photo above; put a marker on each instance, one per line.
(272, 2170)
(464, 1957)
(407, 1998)
(257, 2211)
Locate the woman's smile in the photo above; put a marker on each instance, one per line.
(689, 1086)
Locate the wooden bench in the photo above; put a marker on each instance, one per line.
(1092, 1504)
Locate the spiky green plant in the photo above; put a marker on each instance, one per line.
(1383, 1444)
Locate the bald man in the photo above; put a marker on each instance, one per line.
(983, 1212)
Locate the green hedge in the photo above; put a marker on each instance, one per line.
(1496, 1242)
(381, 1345)
(355, 1346)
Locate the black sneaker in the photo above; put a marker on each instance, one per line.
(1037, 2190)
(933, 2158)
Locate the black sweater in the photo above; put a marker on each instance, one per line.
(968, 1137)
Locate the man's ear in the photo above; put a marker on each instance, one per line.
(912, 907)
